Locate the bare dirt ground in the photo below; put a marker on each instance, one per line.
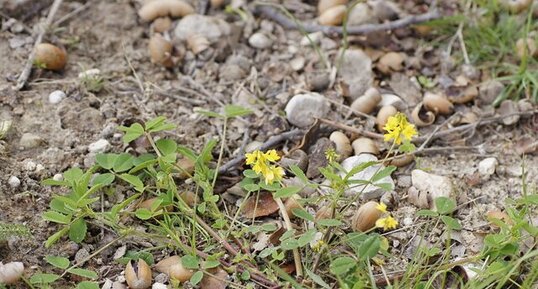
(109, 36)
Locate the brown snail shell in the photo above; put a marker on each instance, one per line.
(197, 43)
(173, 267)
(365, 145)
(367, 102)
(139, 276)
(51, 57)
(161, 8)
(160, 50)
(292, 203)
(341, 141)
(402, 161)
(437, 103)
(323, 5)
(333, 16)
(383, 115)
(421, 116)
(365, 217)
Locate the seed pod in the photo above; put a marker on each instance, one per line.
(383, 116)
(421, 116)
(365, 145)
(341, 141)
(323, 5)
(160, 50)
(292, 203)
(139, 276)
(51, 57)
(174, 268)
(333, 16)
(161, 8)
(365, 217)
(437, 103)
(11, 272)
(197, 43)
(367, 102)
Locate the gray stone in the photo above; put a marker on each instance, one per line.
(435, 186)
(30, 141)
(370, 191)
(487, 166)
(56, 96)
(361, 14)
(14, 182)
(99, 146)
(317, 158)
(356, 72)
(489, 91)
(209, 27)
(302, 109)
(260, 40)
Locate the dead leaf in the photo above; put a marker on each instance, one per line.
(260, 205)
(217, 279)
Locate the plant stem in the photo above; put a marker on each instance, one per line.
(296, 255)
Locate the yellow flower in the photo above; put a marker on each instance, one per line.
(387, 223)
(271, 156)
(260, 163)
(381, 207)
(272, 174)
(252, 157)
(331, 155)
(399, 129)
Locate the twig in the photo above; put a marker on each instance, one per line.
(23, 77)
(271, 142)
(289, 227)
(72, 13)
(275, 15)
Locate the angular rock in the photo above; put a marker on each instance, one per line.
(99, 146)
(302, 109)
(209, 27)
(487, 166)
(356, 72)
(317, 158)
(370, 192)
(435, 186)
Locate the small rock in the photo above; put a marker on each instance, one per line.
(508, 108)
(30, 141)
(231, 72)
(39, 168)
(56, 96)
(14, 182)
(81, 256)
(209, 27)
(297, 157)
(302, 109)
(385, 10)
(361, 14)
(514, 171)
(489, 91)
(317, 158)
(162, 278)
(370, 192)
(318, 80)
(297, 63)
(356, 72)
(314, 38)
(436, 186)
(260, 40)
(89, 73)
(486, 167)
(99, 146)
(407, 221)
(158, 285)
(58, 177)
(29, 165)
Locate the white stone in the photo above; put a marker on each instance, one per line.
(14, 182)
(487, 166)
(407, 221)
(99, 146)
(371, 191)
(314, 38)
(361, 14)
(356, 72)
(58, 177)
(157, 285)
(29, 165)
(89, 73)
(302, 109)
(56, 96)
(209, 27)
(39, 168)
(260, 40)
(436, 186)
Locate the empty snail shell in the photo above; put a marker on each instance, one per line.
(333, 16)
(367, 102)
(383, 115)
(174, 268)
(324, 212)
(341, 141)
(11, 272)
(292, 203)
(197, 43)
(526, 47)
(365, 217)
(421, 116)
(323, 5)
(402, 161)
(160, 50)
(364, 145)
(138, 276)
(161, 8)
(437, 103)
(51, 57)
(464, 95)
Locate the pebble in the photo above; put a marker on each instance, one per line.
(487, 166)
(29, 165)
(89, 73)
(489, 91)
(314, 37)
(407, 221)
(14, 182)
(370, 192)
(158, 285)
(209, 27)
(30, 141)
(100, 146)
(260, 40)
(361, 14)
(356, 72)
(302, 109)
(162, 278)
(436, 186)
(56, 96)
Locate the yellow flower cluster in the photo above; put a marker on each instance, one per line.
(399, 129)
(261, 164)
(388, 222)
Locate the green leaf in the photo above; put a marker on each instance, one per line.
(407, 147)
(307, 237)
(251, 187)
(287, 192)
(329, 222)
(106, 161)
(427, 213)
(197, 277)
(123, 163)
(301, 213)
(88, 285)
(83, 273)
(131, 133)
(55, 237)
(41, 278)
(143, 214)
(190, 262)
(445, 205)
(166, 146)
(158, 124)
(289, 244)
(51, 182)
(133, 180)
(385, 172)
(209, 113)
(73, 174)
(77, 230)
(208, 264)
(236, 110)
(57, 261)
(369, 248)
(56, 217)
(250, 174)
(104, 179)
(359, 168)
(341, 265)
(387, 187)
(299, 173)
(451, 223)
(317, 279)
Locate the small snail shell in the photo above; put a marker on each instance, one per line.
(173, 267)
(333, 16)
(526, 47)
(216, 3)
(437, 103)
(323, 5)
(468, 94)
(365, 217)
(392, 61)
(341, 141)
(324, 213)
(383, 115)
(50, 57)
(197, 43)
(367, 102)
(365, 145)
(162, 24)
(138, 277)
(160, 50)
(292, 203)
(402, 161)
(173, 8)
(421, 116)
